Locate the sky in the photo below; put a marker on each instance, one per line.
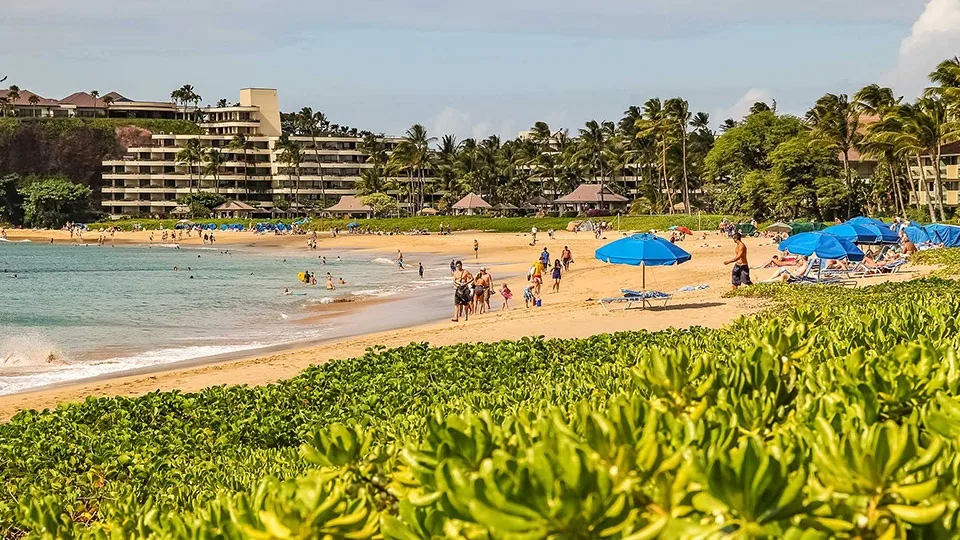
(480, 68)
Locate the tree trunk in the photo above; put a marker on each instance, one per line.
(939, 183)
(846, 173)
(914, 189)
(666, 180)
(898, 192)
(686, 183)
(926, 190)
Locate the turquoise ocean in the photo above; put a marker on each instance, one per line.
(76, 312)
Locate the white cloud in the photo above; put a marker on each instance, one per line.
(933, 38)
(740, 109)
(462, 124)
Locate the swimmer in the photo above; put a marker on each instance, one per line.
(286, 291)
(342, 282)
(176, 269)
(339, 259)
(330, 283)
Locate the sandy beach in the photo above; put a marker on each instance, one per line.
(573, 312)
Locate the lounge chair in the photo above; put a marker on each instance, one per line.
(636, 299)
(891, 267)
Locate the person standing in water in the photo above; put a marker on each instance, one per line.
(400, 260)
(741, 269)
(420, 270)
(476, 250)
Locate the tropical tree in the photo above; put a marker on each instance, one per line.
(678, 110)
(107, 101)
(413, 154)
(190, 155)
(879, 104)
(34, 101)
(241, 143)
(13, 96)
(373, 178)
(292, 156)
(95, 94)
(446, 167)
(947, 77)
(222, 103)
(835, 120)
(314, 123)
(51, 202)
(214, 160)
(657, 124)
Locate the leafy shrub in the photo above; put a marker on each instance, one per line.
(837, 416)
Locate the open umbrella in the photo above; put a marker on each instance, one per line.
(884, 234)
(863, 221)
(857, 234)
(353, 225)
(642, 250)
(780, 227)
(822, 245)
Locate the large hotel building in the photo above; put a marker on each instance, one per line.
(148, 180)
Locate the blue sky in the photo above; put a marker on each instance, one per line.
(484, 67)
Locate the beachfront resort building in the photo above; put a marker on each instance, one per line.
(149, 179)
(26, 104)
(949, 177)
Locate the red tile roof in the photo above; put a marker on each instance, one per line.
(24, 98)
(590, 193)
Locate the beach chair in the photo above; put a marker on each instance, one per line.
(632, 299)
(891, 267)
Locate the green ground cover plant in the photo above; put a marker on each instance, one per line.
(834, 414)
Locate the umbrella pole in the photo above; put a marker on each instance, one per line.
(644, 280)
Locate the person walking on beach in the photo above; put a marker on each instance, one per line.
(462, 297)
(453, 267)
(507, 294)
(488, 286)
(399, 260)
(533, 233)
(566, 257)
(741, 269)
(556, 276)
(545, 258)
(420, 270)
(536, 275)
(476, 250)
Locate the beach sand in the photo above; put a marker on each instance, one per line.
(573, 312)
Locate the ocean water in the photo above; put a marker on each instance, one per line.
(75, 312)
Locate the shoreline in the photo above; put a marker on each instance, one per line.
(572, 313)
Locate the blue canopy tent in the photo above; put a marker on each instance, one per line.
(854, 233)
(948, 235)
(642, 250)
(353, 225)
(917, 235)
(821, 245)
(864, 221)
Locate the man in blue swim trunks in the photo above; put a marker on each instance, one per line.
(741, 269)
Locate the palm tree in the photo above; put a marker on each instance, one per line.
(13, 95)
(679, 111)
(656, 124)
(34, 101)
(835, 120)
(446, 166)
(107, 101)
(190, 154)
(418, 155)
(947, 76)
(95, 94)
(876, 101)
(310, 123)
(222, 103)
(292, 156)
(214, 162)
(372, 178)
(240, 142)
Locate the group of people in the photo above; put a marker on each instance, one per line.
(310, 278)
(472, 293)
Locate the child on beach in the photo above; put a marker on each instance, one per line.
(556, 275)
(507, 294)
(528, 296)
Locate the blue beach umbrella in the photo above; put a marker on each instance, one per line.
(864, 221)
(824, 246)
(884, 234)
(642, 250)
(854, 233)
